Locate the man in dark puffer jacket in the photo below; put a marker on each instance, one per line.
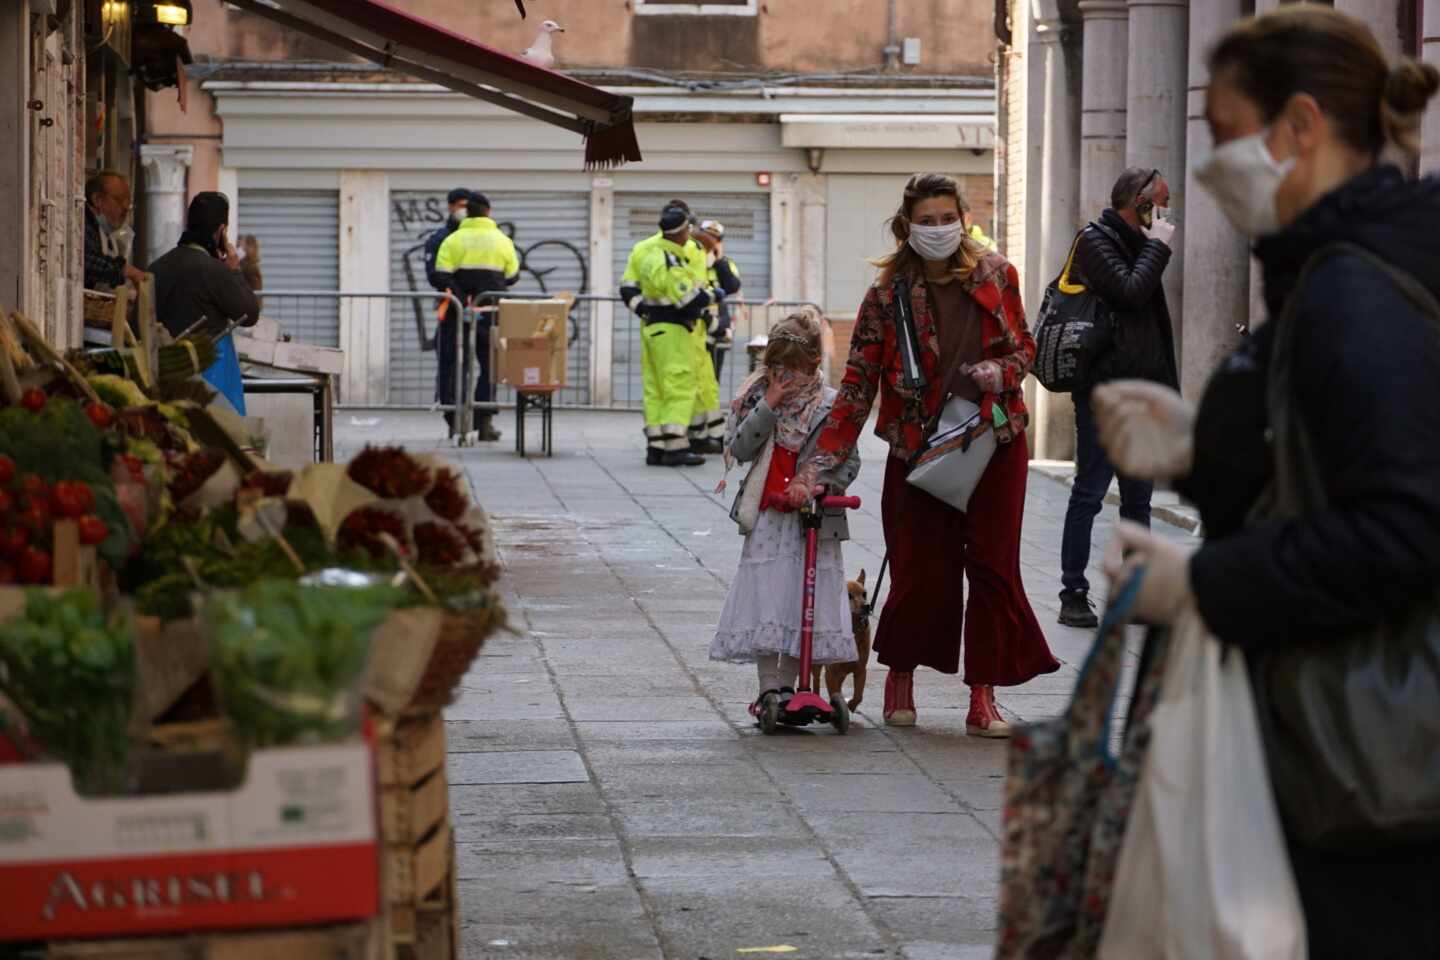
(1121, 258)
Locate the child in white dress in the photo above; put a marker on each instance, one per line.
(774, 424)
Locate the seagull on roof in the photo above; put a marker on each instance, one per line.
(540, 52)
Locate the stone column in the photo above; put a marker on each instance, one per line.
(1054, 50)
(1384, 19)
(1103, 98)
(1155, 116)
(602, 282)
(166, 167)
(365, 268)
(1217, 274)
(1430, 50)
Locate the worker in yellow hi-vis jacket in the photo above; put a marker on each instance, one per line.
(661, 286)
(723, 278)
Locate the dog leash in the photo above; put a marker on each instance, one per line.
(879, 582)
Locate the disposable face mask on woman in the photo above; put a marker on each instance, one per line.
(1244, 178)
(936, 243)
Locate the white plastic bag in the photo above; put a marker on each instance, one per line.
(1203, 871)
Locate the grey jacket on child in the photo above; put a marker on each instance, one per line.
(751, 436)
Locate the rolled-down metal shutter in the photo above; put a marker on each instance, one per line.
(746, 217)
(552, 237)
(299, 234)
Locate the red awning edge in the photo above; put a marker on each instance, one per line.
(376, 31)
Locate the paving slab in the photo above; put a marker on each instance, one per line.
(699, 836)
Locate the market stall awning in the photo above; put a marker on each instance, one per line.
(393, 38)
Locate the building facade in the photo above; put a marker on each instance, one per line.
(1089, 87)
(796, 130)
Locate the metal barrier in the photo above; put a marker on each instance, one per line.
(603, 366)
(397, 368)
(748, 319)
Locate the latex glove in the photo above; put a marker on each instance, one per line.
(1146, 428)
(1162, 230)
(1165, 590)
(987, 375)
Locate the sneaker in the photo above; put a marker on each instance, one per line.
(682, 458)
(984, 718)
(486, 430)
(1078, 610)
(900, 699)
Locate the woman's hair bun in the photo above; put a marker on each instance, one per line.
(1408, 87)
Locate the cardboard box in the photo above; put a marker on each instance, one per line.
(527, 319)
(295, 844)
(532, 362)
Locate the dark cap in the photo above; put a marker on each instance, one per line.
(457, 195)
(479, 199)
(673, 218)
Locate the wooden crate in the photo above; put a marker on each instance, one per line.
(358, 941)
(418, 850)
(409, 749)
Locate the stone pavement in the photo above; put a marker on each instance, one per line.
(612, 799)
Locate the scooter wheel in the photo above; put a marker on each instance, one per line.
(840, 715)
(769, 714)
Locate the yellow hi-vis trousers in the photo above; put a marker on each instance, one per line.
(706, 420)
(667, 366)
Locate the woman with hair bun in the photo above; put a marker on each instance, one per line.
(1305, 111)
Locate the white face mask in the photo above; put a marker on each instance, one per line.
(1244, 178)
(458, 214)
(936, 243)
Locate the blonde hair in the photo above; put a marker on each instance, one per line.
(904, 260)
(794, 342)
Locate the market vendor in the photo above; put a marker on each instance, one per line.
(199, 282)
(107, 233)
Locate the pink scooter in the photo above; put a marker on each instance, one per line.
(806, 706)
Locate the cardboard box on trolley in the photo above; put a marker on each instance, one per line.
(530, 350)
(294, 844)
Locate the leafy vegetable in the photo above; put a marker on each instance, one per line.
(288, 659)
(71, 672)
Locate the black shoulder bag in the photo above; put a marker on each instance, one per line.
(1073, 329)
(1351, 726)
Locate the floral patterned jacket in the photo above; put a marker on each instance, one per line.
(874, 366)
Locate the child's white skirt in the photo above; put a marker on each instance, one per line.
(762, 612)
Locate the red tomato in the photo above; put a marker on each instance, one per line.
(13, 540)
(35, 566)
(71, 498)
(134, 464)
(93, 530)
(33, 400)
(100, 414)
(7, 502)
(7, 470)
(36, 516)
(34, 487)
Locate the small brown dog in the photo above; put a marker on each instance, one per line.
(835, 673)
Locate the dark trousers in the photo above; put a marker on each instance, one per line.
(933, 550)
(448, 375)
(1093, 473)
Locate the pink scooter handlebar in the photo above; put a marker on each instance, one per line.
(775, 501)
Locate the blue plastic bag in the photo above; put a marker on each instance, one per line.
(224, 374)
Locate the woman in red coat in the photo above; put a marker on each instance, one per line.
(971, 328)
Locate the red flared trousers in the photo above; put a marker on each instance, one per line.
(933, 548)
